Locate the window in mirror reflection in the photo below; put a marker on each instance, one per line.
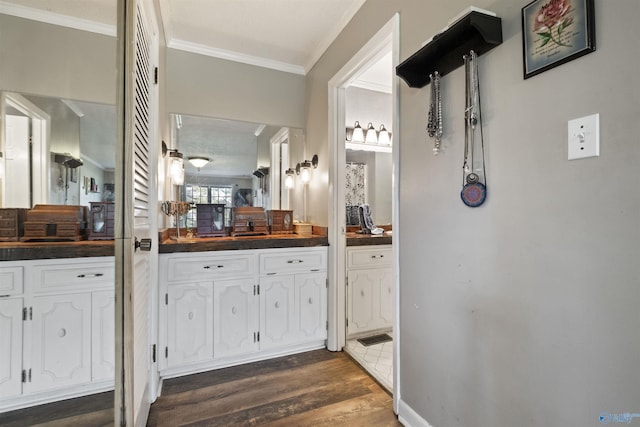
(208, 194)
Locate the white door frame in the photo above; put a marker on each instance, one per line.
(40, 131)
(373, 50)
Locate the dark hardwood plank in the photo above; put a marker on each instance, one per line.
(71, 409)
(318, 388)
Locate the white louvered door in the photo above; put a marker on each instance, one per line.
(139, 199)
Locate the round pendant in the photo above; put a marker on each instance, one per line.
(473, 194)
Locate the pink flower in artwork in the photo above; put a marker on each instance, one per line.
(552, 13)
(551, 21)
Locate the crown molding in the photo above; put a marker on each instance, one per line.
(235, 56)
(56, 19)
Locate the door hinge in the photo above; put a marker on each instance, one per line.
(166, 352)
(326, 325)
(30, 313)
(258, 288)
(155, 75)
(123, 414)
(166, 299)
(29, 375)
(326, 281)
(24, 313)
(153, 353)
(24, 375)
(346, 281)
(258, 336)
(347, 322)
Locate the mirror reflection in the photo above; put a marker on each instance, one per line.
(56, 151)
(230, 163)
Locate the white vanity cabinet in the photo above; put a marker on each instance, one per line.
(222, 308)
(293, 285)
(189, 323)
(57, 329)
(369, 289)
(10, 347)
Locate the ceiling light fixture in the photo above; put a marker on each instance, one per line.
(198, 161)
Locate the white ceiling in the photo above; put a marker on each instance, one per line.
(289, 35)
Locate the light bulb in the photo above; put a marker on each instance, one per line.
(288, 182)
(358, 134)
(305, 175)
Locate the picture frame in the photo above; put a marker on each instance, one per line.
(555, 32)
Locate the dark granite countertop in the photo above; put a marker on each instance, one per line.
(356, 239)
(18, 251)
(204, 244)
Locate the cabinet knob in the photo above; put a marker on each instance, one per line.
(277, 304)
(190, 315)
(362, 293)
(234, 310)
(62, 332)
(310, 301)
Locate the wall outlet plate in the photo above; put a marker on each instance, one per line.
(584, 137)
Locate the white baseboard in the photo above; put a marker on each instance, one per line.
(410, 418)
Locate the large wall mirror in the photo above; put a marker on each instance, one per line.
(56, 151)
(241, 163)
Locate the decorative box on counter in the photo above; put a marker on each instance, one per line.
(11, 224)
(303, 228)
(211, 219)
(55, 223)
(280, 221)
(101, 216)
(249, 221)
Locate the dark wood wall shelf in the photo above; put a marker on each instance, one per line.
(476, 31)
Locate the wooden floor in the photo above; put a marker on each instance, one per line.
(318, 388)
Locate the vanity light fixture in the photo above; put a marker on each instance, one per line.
(198, 161)
(371, 136)
(176, 169)
(304, 169)
(383, 136)
(288, 181)
(358, 134)
(176, 165)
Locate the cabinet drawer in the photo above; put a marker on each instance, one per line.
(210, 267)
(292, 262)
(76, 277)
(372, 256)
(10, 280)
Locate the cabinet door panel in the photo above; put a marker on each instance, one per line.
(386, 297)
(277, 316)
(236, 317)
(10, 347)
(61, 341)
(360, 310)
(190, 323)
(312, 305)
(103, 353)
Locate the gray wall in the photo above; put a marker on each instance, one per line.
(523, 312)
(49, 60)
(212, 87)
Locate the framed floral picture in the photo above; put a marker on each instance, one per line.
(555, 32)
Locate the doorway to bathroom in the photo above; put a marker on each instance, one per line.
(363, 217)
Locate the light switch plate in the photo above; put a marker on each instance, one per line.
(584, 137)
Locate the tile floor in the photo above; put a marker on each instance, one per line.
(377, 359)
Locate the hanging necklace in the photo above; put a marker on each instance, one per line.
(474, 190)
(434, 121)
